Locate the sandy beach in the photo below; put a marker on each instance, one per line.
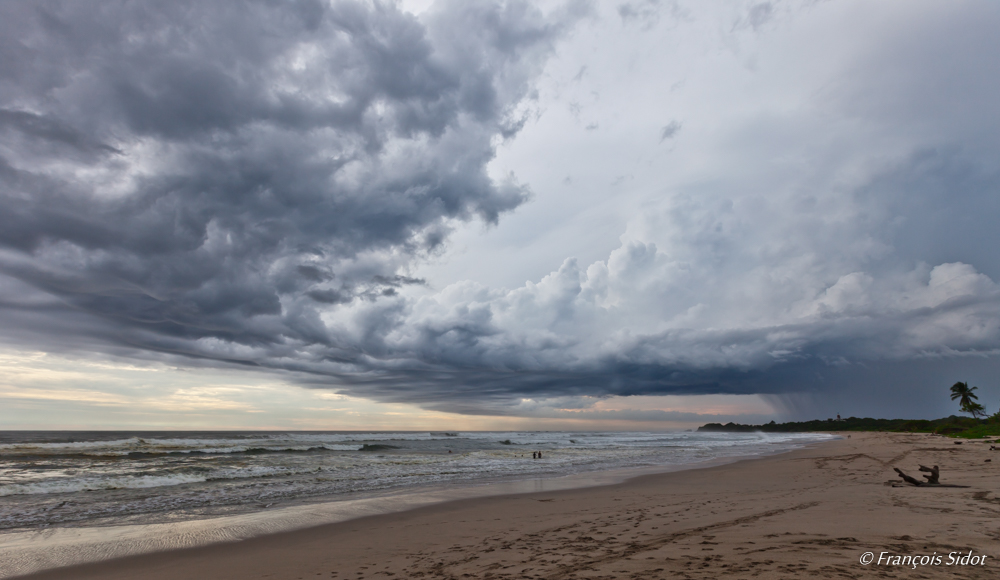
(814, 512)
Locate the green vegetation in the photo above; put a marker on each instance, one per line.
(965, 427)
(954, 426)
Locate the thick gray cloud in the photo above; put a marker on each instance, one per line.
(199, 178)
(261, 184)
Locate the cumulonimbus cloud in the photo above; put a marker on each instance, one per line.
(253, 183)
(207, 178)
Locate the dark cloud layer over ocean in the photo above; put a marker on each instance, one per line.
(256, 183)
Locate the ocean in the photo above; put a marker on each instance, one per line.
(60, 479)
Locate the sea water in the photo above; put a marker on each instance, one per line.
(90, 479)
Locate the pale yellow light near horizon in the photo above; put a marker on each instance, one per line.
(48, 391)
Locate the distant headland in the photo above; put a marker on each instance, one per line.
(953, 426)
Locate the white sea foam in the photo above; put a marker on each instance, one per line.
(28, 551)
(71, 485)
(62, 478)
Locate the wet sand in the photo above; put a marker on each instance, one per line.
(809, 513)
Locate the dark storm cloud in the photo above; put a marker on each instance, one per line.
(481, 365)
(204, 178)
(54, 133)
(253, 184)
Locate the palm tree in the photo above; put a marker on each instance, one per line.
(967, 398)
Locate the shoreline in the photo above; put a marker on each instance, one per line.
(33, 551)
(810, 512)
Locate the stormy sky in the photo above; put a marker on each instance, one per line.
(506, 209)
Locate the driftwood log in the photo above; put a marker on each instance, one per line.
(932, 478)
